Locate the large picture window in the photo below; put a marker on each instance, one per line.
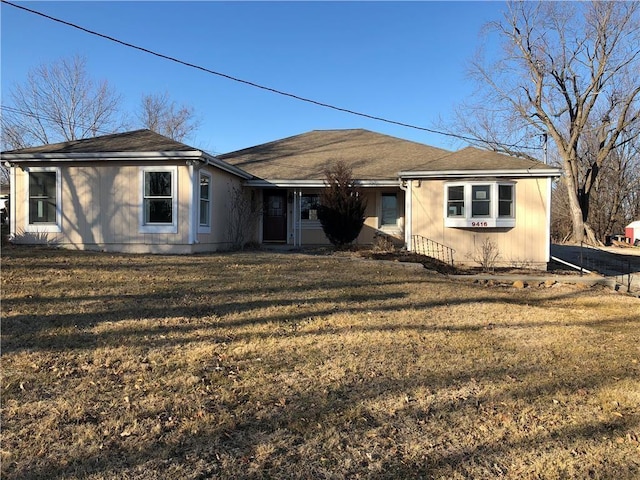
(159, 200)
(44, 191)
(480, 204)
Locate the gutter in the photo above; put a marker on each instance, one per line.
(284, 183)
(446, 174)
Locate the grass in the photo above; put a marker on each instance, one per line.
(265, 365)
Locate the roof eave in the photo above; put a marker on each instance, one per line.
(519, 172)
(101, 156)
(314, 183)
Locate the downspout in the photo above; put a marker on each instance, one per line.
(193, 221)
(407, 187)
(13, 202)
(548, 220)
(299, 217)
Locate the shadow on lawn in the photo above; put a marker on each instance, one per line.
(23, 331)
(317, 415)
(314, 420)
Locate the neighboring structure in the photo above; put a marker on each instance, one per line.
(632, 232)
(142, 192)
(129, 192)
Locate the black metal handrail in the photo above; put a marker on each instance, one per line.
(431, 248)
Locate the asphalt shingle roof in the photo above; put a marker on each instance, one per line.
(135, 141)
(371, 155)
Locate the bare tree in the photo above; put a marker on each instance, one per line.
(244, 212)
(570, 71)
(58, 102)
(162, 115)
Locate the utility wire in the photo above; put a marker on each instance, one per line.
(256, 85)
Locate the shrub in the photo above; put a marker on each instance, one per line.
(342, 206)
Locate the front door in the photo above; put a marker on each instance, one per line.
(274, 221)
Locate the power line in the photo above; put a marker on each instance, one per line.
(256, 85)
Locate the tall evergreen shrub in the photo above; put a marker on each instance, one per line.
(342, 206)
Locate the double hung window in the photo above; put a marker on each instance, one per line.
(44, 191)
(205, 201)
(159, 200)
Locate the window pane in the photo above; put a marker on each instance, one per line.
(456, 193)
(204, 187)
(157, 184)
(389, 209)
(158, 211)
(455, 204)
(204, 213)
(42, 197)
(309, 207)
(480, 200)
(505, 200)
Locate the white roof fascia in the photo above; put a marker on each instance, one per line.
(227, 167)
(282, 183)
(124, 156)
(546, 172)
(57, 157)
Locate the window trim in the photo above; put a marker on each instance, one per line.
(309, 221)
(159, 227)
(388, 226)
(202, 227)
(493, 220)
(44, 227)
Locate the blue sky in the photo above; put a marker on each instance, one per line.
(404, 61)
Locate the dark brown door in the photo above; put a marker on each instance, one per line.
(274, 221)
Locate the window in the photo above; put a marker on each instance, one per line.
(44, 191)
(309, 206)
(480, 200)
(205, 200)
(389, 212)
(455, 202)
(505, 201)
(159, 200)
(491, 204)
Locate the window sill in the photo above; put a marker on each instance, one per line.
(43, 228)
(158, 229)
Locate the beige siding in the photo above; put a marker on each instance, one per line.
(222, 192)
(526, 243)
(101, 207)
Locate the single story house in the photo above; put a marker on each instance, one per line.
(141, 192)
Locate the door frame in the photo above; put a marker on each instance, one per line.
(283, 194)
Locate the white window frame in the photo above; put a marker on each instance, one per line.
(309, 221)
(205, 227)
(160, 227)
(389, 226)
(493, 220)
(44, 227)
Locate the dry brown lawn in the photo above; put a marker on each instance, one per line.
(266, 365)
